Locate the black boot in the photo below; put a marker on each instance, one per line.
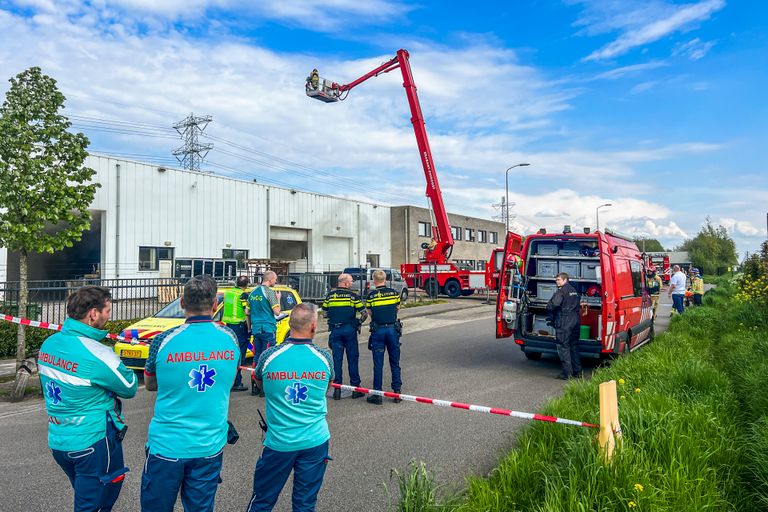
(357, 394)
(397, 400)
(255, 389)
(336, 394)
(374, 399)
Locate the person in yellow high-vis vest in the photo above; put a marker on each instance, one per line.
(697, 287)
(235, 317)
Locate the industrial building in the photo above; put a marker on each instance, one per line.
(147, 218)
(474, 238)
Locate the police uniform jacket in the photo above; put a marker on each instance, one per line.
(564, 307)
(341, 307)
(383, 303)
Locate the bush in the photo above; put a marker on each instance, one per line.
(694, 420)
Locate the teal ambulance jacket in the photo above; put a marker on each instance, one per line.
(81, 379)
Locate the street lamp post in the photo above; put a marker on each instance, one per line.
(506, 204)
(597, 215)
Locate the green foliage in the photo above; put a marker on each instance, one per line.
(42, 178)
(36, 336)
(694, 420)
(712, 251)
(649, 244)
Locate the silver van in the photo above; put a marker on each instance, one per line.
(362, 280)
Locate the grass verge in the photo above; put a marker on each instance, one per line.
(695, 424)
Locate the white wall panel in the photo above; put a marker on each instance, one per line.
(201, 213)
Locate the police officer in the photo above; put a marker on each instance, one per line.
(192, 368)
(295, 377)
(263, 307)
(234, 317)
(563, 308)
(383, 304)
(341, 307)
(81, 381)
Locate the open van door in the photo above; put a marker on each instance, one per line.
(508, 300)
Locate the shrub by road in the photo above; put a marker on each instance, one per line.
(694, 417)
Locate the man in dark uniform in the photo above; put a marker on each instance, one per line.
(383, 303)
(563, 308)
(341, 307)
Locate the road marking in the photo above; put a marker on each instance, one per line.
(24, 410)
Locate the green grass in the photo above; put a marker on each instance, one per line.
(695, 436)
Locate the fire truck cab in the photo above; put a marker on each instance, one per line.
(606, 268)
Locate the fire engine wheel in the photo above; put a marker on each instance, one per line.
(452, 289)
(404, 295)
(532, 356)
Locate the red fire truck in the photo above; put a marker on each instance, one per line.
(605, 267)
(660, 262)
(434, 273)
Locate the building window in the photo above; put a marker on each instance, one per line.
(494, 237)
(482, 236)
(241, 255)
(149, 257)
(456, 232)
(470, 235)
(425, 229)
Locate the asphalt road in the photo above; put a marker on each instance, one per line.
(452, 356)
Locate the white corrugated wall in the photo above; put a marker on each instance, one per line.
(200, 214)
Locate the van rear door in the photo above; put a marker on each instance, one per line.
(507, 302)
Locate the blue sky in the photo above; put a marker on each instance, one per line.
(654, 106)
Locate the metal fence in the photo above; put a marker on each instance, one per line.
(131, 298)
(139, 298)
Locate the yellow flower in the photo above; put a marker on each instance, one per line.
(639, 487)
(632, 504)
(623, 397)
(637, 390)
(622, 381)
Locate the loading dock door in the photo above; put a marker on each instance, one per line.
(337, 252)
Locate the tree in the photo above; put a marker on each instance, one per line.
(42, 177)
(649, 244)
(712, 251)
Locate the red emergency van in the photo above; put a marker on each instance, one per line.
(606, 268)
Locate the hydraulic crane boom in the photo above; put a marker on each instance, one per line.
(324, 90)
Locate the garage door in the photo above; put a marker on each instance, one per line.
(337, 252)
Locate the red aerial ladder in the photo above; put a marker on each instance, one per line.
(435, 273)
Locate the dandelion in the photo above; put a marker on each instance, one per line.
(639, 487)
(637, 390)
(622, 382)
(623, 397)
(632, 504)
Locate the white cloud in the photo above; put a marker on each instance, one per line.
(644, 86)
(639, 23)
(694, 49)
(615, 74)
(741, 227)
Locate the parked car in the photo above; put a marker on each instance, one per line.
(363, 280)
(134, 355)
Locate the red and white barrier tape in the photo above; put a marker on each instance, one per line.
(459, 405)
(50, 326)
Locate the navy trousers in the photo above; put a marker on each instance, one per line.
(344, 339)
(261, 342)
(241, 331)
(273, 469)
(197, 479)
(677, 302)
(96, 473)
(386, 338)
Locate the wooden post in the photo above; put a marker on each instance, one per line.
(610, 428)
